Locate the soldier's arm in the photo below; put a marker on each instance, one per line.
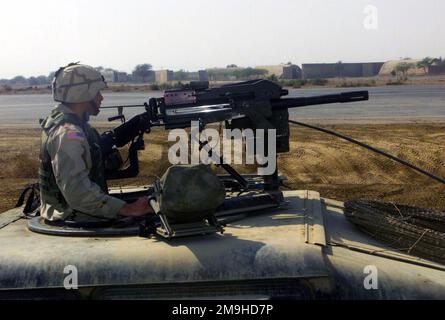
(68, 148)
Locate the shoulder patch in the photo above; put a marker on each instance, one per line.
(75, 135)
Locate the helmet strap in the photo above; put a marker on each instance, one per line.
(95, 107)
(86, 116)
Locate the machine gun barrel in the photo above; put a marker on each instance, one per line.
(324, 99)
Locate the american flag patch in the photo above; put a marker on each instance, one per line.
(74, 135)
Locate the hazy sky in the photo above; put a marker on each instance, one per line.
(38, 36)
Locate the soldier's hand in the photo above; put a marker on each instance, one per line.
(138, 208)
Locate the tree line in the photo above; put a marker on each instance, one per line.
(402, 68)
(31, 81)
(141, 70)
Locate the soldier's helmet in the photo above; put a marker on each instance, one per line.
(77, 83)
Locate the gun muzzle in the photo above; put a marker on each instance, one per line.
(354, 96)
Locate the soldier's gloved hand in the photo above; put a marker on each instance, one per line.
(139, 208)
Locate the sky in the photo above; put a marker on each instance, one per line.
(37, 37)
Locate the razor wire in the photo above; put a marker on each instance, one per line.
(416, 231)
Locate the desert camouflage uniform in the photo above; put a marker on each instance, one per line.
(71, 174)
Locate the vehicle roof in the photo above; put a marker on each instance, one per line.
(271, 245)
(308, 238)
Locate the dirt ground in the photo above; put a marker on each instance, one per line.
(335, 168)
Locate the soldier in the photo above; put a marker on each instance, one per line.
(71, 174)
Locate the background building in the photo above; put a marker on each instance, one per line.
(108, 75)
(163, 76)
(150, 77)
(203, 76)
(341, 70)
(283, 71)
(222, 74)
(436, 69)
(121, 76)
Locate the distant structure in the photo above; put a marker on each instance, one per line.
(115, 76)
(150, 77)
(121, 76)
(163, 76)
(202, 75)
(436, 69)
(222, 74)
(389, 67)
(108, 75)
(341, 70)
(283, 71)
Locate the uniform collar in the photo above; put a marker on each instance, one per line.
(65, 109)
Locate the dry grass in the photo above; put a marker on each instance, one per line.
(317, 161)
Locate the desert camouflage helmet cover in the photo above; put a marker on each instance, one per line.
(77, 83)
